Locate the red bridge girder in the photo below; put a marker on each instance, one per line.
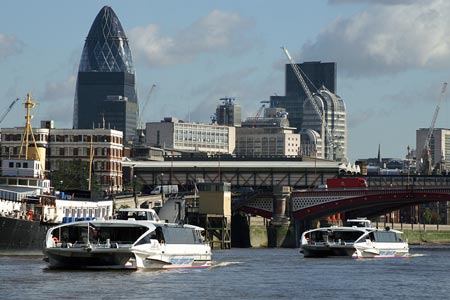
(328, 202)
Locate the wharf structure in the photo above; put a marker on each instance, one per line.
(105, 89)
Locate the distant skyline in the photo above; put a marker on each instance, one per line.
(392, 58)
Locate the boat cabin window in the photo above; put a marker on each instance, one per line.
(137, 215)
(181, 235)
(387, 237)
(99, 234)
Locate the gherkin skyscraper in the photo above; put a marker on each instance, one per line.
(106, 93)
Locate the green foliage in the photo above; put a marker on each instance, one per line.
(72, 174)
(427, 216)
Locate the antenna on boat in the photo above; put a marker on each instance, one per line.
(28, 131)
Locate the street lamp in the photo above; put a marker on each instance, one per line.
(161, 185)
(134, 192)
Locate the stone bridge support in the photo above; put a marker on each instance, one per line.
(280, 232)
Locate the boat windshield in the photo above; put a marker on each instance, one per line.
(182, 235)
(346, 236)
(383, 237)
(137, 215)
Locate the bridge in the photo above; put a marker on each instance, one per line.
(386, 193)
(311, 204)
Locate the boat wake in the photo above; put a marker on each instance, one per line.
(224, 264)
(417, 255)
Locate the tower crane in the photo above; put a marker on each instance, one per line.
(147, 100)
(329, 142)
(8, 110)
(427, 166)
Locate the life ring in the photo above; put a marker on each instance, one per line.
(55, 239)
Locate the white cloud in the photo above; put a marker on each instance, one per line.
(386, 39)
(56, 102)
(56, 90)
(9, 45)
(217, 32)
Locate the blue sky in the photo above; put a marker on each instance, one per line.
(392, 58)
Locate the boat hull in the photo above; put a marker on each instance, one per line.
(176, 262)
(370, 251)
(327, 250)
(18, 235)
(88, 258)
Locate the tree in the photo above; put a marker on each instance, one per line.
(427, 216)
(73, 174)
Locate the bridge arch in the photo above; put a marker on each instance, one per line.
(312, 204)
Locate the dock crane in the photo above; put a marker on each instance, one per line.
(147, 100)
(426, 161)
(329, 142)
(3, 116)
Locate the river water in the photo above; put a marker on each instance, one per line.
(241, 274)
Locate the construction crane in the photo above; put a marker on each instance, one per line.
(147, 100)
(258, 113)
(8, 110)
(329, 142)
(426, 161)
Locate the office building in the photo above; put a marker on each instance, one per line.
(316, 139)
(175, 134)
(228, 113)
(105, 91)
(439, 150)
(267, 136)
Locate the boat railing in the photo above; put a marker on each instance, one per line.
(95, 245)
(331, 243)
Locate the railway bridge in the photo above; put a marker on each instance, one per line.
(311, 204)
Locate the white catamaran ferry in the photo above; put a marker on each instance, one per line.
(136, 239)
(357, 240)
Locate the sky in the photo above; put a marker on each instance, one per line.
(392, 57)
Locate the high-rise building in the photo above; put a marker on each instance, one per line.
(321, 81)
(106, 93)
(438, 158)
(228, 113)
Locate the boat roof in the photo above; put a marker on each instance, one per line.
(137, 209)
(151, 225)
(339, 228)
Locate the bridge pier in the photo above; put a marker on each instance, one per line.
(280, 231)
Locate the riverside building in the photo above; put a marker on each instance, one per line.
(72, 144)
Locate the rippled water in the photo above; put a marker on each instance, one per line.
(241, 274)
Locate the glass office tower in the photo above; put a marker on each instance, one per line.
(106, 92)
